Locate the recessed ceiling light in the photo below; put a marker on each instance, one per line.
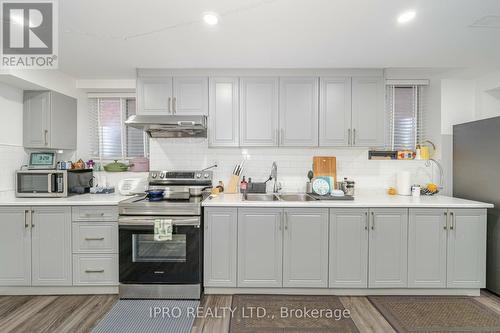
(211, 18)
(407, 16)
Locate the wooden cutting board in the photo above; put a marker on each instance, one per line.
(325, 166)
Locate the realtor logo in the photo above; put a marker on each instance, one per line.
(29, 34)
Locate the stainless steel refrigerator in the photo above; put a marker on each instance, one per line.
(476, 176)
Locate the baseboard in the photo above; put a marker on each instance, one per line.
(69, 290)
(344, 292)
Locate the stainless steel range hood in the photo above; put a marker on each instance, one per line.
(170, 126)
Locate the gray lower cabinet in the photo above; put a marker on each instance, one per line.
(220, 236)
(466, 264)
(348, 264)
(427, 239)
(15, 247)
(49, 120)
(305, 248)
(51, 246)
(35, 246)
(388, 246)
(260, 241)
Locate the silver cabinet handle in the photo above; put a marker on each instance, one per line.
(286, 221)
(348, 136)
(31, 218)
(366, 220)
(174, 105)
(354, 136)
(94, 215)
(170, 105)
(445, 221)
(373, 221)
(94, 271)
(280, 222)
(94, 238)
(26, 224)
(45, 133)
(452, 221)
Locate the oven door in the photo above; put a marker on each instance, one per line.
(146, 261)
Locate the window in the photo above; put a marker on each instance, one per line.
(405, 107)
(110, 138)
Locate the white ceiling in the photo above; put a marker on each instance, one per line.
(109, 39)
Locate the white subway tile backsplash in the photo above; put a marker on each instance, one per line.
(12, 157)
(293, 163)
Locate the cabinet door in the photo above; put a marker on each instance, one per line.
(466, 248)
(427, 248)
(259, 111)
(63, 121)
(368, 115)
(154, 95)
(51, 246)
(298, 111)
(15, 247)
(388, 248)
(220, 247)
(305, 248)
(190, 96)
(224, 112)
(348, 248)
(36, 118)
(335, 111)
(260, 242)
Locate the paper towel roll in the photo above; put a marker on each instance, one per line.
(403, 182)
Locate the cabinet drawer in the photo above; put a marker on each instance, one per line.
(95, 269)
(91, 237)
(95, 213)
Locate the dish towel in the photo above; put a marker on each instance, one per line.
(163, 230)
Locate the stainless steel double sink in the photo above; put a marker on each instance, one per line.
(278, 197)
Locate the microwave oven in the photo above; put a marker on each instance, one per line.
(52, 183)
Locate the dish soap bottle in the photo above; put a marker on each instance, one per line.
(243, 185)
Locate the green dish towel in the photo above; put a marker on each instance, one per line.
(163, 230)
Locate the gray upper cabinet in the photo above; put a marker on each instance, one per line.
(154, 95)
(172, 95)
(368, 114)
(49, 120)
(259, 111)
(190, 96)
(335, 111)
(298, 110)
(224, 112)
(260, 240)
(305, 248)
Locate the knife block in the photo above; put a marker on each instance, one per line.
(232, 187)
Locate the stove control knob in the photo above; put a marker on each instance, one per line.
(206, 175)
(162, 175)
(154, 175)
(198, 175)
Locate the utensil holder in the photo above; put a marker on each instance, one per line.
(232, 187)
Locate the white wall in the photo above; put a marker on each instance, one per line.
(293, 163)
(12, 153)
(458, 103)
(488, 96)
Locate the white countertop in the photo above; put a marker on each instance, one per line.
(9, 199)
(373, 200)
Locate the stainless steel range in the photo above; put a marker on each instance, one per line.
(152, 268)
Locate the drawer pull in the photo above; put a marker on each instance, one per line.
(94, 271)
(94, 215)
(94, 238)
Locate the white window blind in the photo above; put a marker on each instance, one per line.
(406, 115)
(110, 138)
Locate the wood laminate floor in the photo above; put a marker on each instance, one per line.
(37, 314)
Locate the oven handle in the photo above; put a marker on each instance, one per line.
(149, 221)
